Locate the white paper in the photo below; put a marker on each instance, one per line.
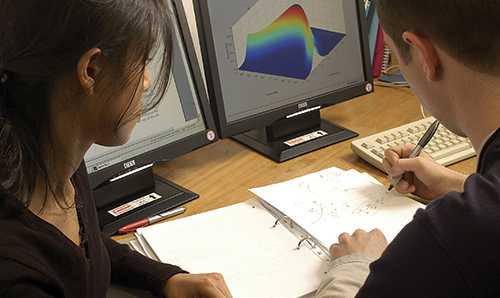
(240, 242)
(333, 201)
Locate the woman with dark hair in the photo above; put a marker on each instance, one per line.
(72, 73)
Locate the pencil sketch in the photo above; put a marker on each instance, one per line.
(333, 201)
(337, 194)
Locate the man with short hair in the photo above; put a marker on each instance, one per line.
(449, 52)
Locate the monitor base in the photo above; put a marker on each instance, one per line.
(297, 144)
(169, 195)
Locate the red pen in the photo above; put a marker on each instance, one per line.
(150, 220)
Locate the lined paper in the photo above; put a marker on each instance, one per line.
(240, 242)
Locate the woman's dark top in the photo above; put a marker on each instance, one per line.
(37, 260)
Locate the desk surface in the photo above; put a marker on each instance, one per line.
(222, 172)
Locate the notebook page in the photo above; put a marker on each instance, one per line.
(330, 202)
(240, 242)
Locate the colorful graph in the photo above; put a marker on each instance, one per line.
(286, 47)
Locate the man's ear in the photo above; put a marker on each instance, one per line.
(427, 54)
(87, 69)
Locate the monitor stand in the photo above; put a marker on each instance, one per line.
(136, 197)
(289, 138)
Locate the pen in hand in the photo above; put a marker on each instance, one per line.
(421, 144)
(150, 220)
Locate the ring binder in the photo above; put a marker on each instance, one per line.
(297, 273)
(309, 240)
(282, 218)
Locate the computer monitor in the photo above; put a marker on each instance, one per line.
(271, 65)
(122, 179)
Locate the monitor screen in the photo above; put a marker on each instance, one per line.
(271, 65)
(124, 186)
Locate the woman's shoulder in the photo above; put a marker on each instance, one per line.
(28, 239)
(19, 257)
(34, 257)
(18, 279)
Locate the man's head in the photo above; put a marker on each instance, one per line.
(468, 30)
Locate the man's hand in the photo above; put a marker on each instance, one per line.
(373, 243)
(197, 286)
(423, 176)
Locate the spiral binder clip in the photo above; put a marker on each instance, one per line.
(386, 60)
(308, 239)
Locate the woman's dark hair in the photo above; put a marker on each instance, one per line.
(42, 40)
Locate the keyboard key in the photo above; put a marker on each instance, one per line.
(367, 145)
(446, 151)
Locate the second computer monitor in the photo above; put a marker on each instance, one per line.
(271, 65)
(124, 186)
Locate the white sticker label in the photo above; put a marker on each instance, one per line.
(305, 138)
(134, 204)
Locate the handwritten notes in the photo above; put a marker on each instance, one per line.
(333, 201)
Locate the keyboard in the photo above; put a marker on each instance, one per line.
(445, 147)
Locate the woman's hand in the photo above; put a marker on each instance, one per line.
(197, 286)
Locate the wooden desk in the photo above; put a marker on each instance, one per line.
(222, 173)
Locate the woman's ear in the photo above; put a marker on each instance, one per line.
(87, 69)
(427, 54)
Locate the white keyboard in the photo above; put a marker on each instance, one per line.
(445, 147)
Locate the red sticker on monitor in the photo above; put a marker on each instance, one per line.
(210, 135)
(369, 87)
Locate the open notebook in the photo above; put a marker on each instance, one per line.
(278, 247)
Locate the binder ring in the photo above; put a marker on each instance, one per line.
(281, 218)
(309, 240)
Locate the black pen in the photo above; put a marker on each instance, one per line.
(421, 144)
(150, 220)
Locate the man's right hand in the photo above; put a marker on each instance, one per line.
(423, 176)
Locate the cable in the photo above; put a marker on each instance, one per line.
(422, 111)
(390, 68)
